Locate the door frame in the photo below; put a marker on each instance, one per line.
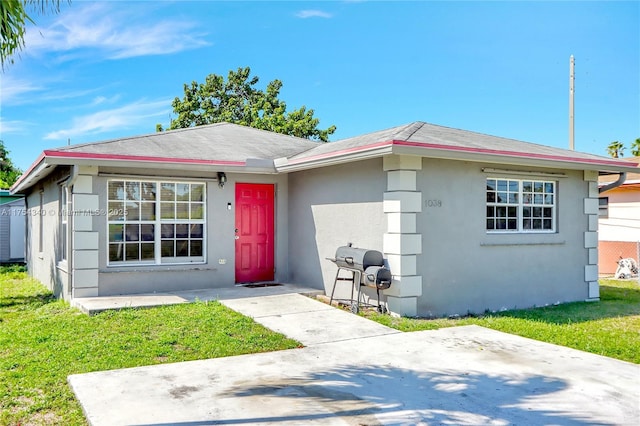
(272, 242)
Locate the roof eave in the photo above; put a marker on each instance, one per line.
(511, 158)
(47, 161)
(285, 165)
(452, 153)
(39, 169)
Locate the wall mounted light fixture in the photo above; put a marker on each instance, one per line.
(222, 179)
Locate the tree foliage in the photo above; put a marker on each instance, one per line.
(616, 149)
(237, 100)
(13, 20)
(8, 172)
(635, 148)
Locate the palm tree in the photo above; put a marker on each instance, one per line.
(13, 20)
(635, 148)
(615, 149)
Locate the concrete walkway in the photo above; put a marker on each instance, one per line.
(93, 305)
(356, 372)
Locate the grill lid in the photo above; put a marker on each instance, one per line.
(357, 258)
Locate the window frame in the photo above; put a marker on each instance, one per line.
(63, 225)
(603, 207)
(517, 204)
(41, 222)
(117, 212)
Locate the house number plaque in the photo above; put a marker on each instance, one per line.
(433, 203)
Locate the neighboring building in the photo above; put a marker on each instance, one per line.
(619, 223)
(468, 222)
(12, 227)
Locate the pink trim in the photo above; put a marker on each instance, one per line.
(460, 149)
(511, 153)
(342, 151)
(28, 172)
(90, 156)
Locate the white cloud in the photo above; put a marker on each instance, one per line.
(100, 100)
(113, 119)
(15, 90)
(11, 126)
(103, 26)
(304, 14)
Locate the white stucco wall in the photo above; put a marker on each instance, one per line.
(44, 264)
(623, 223)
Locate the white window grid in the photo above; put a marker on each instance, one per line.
(139, 221)
(520, 205)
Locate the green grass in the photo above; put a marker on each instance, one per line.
(43, 340)
(610, 327)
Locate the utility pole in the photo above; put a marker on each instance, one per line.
(571, 94)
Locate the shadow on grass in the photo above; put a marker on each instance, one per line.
(35, 300)
(614, 302)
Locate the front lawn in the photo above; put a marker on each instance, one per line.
(610, 327)
(43, 340)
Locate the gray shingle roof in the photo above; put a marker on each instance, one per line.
(445, 138)
(219, 142)
(236, 146)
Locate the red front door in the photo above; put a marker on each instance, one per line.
(254, 232)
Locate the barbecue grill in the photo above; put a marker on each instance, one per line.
(366, 268)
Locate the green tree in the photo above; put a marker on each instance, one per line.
(14, 18)
(8, 172)
(635, 148)
(616, 149)
(237, 100)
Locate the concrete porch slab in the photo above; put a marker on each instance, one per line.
(93, 305)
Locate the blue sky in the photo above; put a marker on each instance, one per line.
(102, 70)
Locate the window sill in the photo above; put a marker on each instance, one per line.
(522, 239)
(156, 268)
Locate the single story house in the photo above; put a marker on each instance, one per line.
(12, 227)
(467, 222)
(619, 223)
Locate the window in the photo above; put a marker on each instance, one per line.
(65, 211)
(521, 205)
(603, 207)
(155, 222)
(41, 223)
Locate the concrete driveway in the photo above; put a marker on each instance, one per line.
(356, 372)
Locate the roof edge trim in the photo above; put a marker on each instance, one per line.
(18, 185)
(511, 153)
(326, 158)
(141, 158)
(336, 157)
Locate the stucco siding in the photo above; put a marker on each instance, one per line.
(42, 254)
(331, 207)
(467, 270)
(218, 270)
